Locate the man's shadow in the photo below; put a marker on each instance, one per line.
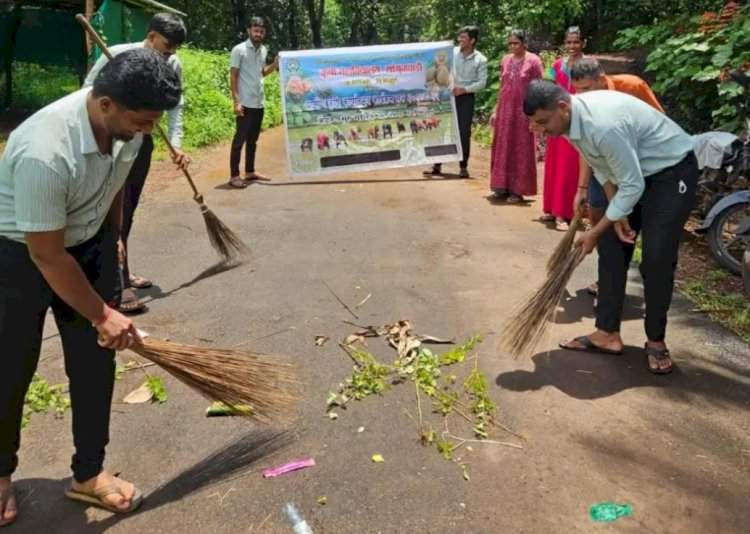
(574, 307)
(41, 501)
(590, 376)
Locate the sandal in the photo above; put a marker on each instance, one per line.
(561, 226)
(515, 199)
(139, 282)
(254, 176)
(97, 496)
(658, 355)
(588, 346)
(11, 494)
(435, 171)
(130, 303)
(237, 182)
(547, 217)
(593, 289)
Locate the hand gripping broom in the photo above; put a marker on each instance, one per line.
(226, 243)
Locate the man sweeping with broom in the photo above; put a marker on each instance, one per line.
(61, 180)
(649, 160)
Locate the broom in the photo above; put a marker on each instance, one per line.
(224, 241)
(529, 324)
(237, 379)
(566, 243)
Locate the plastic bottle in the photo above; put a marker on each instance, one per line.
(299, 525)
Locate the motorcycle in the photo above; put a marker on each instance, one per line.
(724, 193)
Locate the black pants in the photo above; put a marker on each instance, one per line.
(246, 134)
(132, 196)
(465, 112)
(659, 216)
(25, 297)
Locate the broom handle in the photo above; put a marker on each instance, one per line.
(103, 46)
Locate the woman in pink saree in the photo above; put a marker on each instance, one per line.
(561, 161)
(513, 163)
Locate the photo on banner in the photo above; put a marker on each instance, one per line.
(368, 108)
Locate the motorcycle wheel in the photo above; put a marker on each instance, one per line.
(727, 248)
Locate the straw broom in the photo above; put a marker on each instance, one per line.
(238, 379)
(224, 241)
(566, 243)
(529, 324)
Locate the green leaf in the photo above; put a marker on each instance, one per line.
(156, 387)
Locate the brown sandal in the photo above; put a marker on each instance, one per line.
(97, 496)
(139, 282)
(658, 355)
(11, 494)
(237, 183)
(130, 303)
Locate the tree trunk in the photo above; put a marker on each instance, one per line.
(9, 48)
(292, 25)
(315, 12)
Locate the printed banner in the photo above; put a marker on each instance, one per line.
(365, 108)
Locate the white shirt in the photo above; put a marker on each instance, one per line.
(53, 177)
(250, 62)
(174, 115)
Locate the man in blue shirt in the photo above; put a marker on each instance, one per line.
(646, 164)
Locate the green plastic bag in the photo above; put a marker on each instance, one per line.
(606, 512)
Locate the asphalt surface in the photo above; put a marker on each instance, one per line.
(436, 252)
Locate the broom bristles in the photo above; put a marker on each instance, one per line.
(528, 325)
(566, 243)
(238, 379)
(228, 244)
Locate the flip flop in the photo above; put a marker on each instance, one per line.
(515, 199)
(131, 305)
(546, 217)
(139, 282)
(8, 522)
(237, 183)
(97, 496)
(659, 355)
(588, 346)
(593, 289)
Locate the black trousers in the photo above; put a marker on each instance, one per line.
(659, 216)
(25, 298)
(465, 115)
(132, 196)
(246, 134)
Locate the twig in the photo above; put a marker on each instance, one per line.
(127, 368)
(347, 308)
(491, 420)
(419, 407)
(348, 353)
(364, 300)
(262, 523)
(487, 441)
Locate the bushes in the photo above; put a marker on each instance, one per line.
(35, 86)
(687, 64)
(208, 115)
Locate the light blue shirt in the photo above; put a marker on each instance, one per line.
(249, 61)
(624, 140)
(470, 71)
(53, 176)
(174, 115)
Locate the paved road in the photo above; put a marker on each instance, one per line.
(437, 253)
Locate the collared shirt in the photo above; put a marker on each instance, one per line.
(53, 177)
(174, 115)
(624, 140)
(250, 62)
(470, 72)
(634, 86)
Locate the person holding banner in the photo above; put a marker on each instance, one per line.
(469, 77)
(248, 67)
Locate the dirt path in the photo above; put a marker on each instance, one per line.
(437, 253)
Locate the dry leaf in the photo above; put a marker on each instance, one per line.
(353, 338)
(321, 340)
(139, 396)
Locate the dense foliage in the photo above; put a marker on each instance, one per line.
(687, 60)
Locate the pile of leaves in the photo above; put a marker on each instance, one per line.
(428, 371)
(41, 397)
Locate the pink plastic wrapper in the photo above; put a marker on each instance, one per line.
(288, 468)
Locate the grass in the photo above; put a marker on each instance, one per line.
(730, 309)
(35, 86)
